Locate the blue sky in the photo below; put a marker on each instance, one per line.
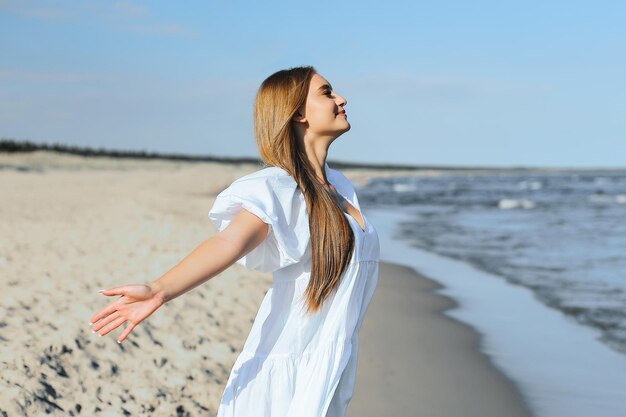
(472, 83)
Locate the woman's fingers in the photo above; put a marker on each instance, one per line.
(135, 304)
(111, 308)
(111, 326)
(104, 321)
(112, 291)
(132, 292)
(126, 331)
(139, 292)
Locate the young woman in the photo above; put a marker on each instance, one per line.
(300, 220)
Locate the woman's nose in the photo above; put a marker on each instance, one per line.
(342, 100)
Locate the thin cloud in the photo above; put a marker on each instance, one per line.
(166, 29)
(120, 15)
(55, 76)
(43, 13)
(126, 10)
(444, 88)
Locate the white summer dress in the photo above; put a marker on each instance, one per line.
(294, 365)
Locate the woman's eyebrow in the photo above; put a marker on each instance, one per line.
(324, 86)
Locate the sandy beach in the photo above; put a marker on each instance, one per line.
(73, 225)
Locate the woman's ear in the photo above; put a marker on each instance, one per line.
(298, 117)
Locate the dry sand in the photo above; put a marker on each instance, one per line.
(72, 225)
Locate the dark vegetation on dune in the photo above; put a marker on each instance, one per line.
(13, 146)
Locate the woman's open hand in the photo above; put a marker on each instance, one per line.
(135, 304)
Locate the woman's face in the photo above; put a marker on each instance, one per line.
(323, 110)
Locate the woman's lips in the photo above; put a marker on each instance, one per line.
(343, 113)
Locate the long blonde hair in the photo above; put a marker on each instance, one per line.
(332, 240)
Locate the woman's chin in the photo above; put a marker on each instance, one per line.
(343, 131)
(338, 132)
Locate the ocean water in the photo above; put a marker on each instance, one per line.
(560, 234)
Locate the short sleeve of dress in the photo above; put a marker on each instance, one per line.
(276, 200)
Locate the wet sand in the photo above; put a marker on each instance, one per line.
(414, 361)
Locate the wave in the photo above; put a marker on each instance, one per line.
(607, 199)
(508, 204)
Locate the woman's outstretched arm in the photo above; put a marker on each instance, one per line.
(137, 302)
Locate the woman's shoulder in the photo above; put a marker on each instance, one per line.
(277, 177)
(271, 175)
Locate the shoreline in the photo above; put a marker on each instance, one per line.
(415, 360)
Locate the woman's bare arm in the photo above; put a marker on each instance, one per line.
(244, 233)
(137, 302)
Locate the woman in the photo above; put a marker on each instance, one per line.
(300, 220)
